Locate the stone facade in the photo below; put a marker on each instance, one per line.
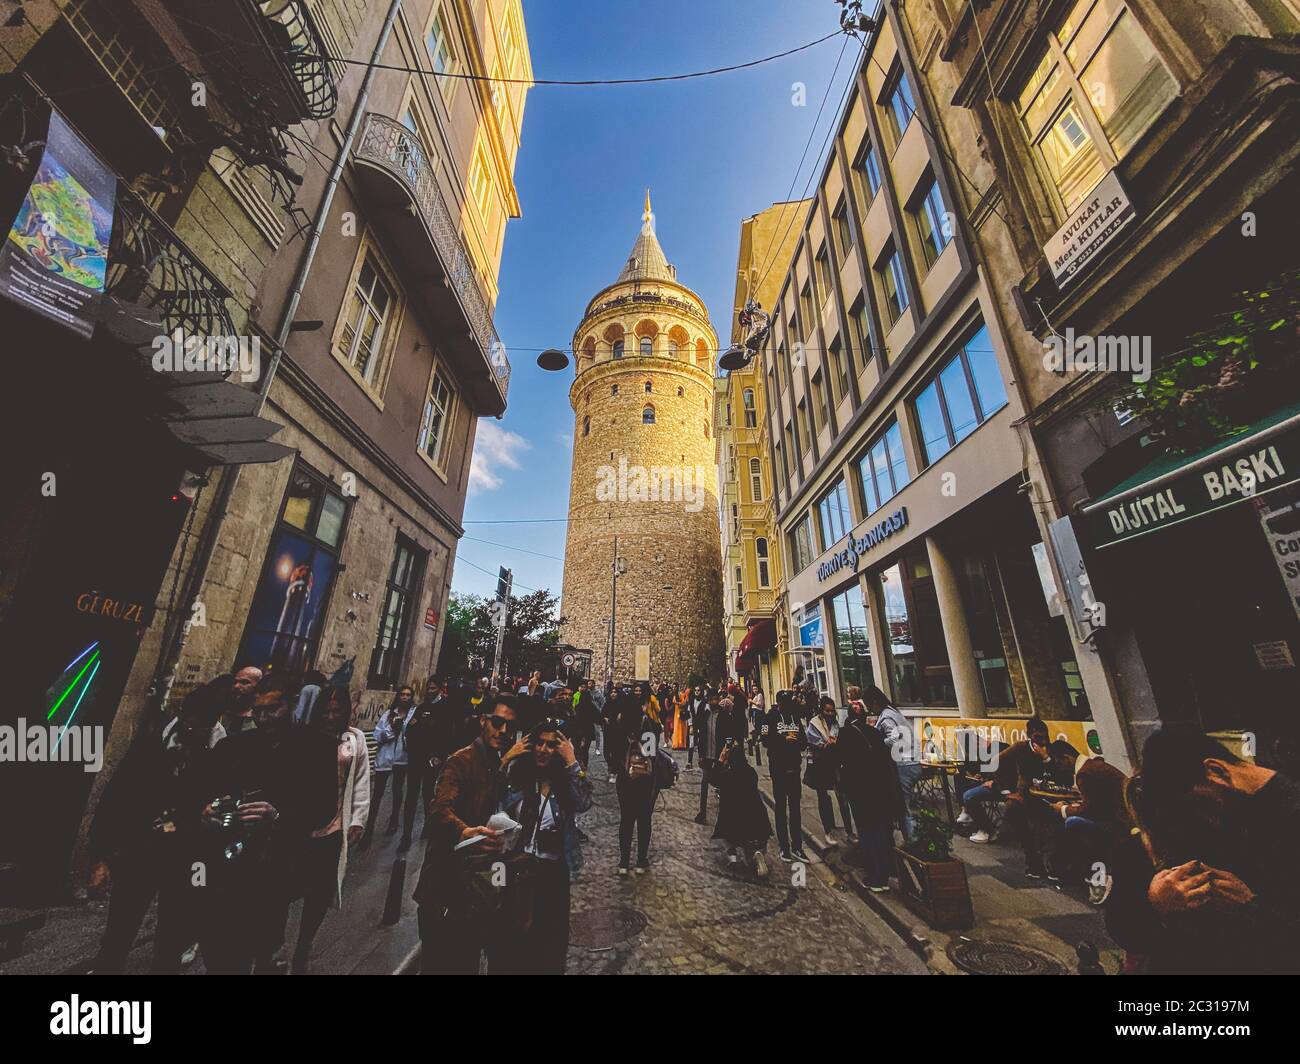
(644, 473)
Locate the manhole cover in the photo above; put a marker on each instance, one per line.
(1002, 958)
(605, 928)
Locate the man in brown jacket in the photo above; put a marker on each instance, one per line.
(469, 790)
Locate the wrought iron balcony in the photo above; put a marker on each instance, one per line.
(388, 145)
(302, 48)
(150, 266)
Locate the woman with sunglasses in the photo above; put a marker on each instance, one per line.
(546, 789)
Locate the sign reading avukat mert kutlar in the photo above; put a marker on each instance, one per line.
(55, 257)
(1089, 229)
(1256, 468)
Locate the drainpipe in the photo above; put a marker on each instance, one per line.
(174, 640)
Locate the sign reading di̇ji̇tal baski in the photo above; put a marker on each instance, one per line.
(1261, 467)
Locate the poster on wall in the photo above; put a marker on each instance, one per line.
(288, 604)
(55, 258)
(1279, 514)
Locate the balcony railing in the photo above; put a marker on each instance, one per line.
(303, 50)
(760, 603)
(150, 266)
(391, 145)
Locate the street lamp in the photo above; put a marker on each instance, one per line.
(617, 568)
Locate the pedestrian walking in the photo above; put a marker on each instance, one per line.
(635, 737)
(325, 858)
(823, 773)
(391, 760)
(786, 740)
(546, 788)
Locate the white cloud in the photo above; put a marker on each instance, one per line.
(495, 449)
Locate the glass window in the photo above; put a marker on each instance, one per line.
(801, 543)
(883, 469)
(439, 44)
(824, 276)
(891, 279)
(756, 480)
(900, 106)
(480, 184)
(395, 616)
(618, 348)
(918, 655)
(843, 230)
(289, 601)
(764, 572)
(931, 224)
(979, 584)
(852, 638)
(751, 414)
(870, 169)
(840, 368)
(647, 346)
(1099, 86)
(435, 422)
(367, 317)
(966, 392)
(862, 329)
(833, 508)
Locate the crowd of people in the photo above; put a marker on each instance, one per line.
(261, 787)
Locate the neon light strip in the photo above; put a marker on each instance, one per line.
(72, 664)
(76, 706)
(65, 694)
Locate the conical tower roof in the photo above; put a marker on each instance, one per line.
(647, 262)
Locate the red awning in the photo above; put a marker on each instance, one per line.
(760, 638)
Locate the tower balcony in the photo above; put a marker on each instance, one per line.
(399, 180)
(280, 48)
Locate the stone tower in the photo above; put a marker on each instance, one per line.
(644, 473)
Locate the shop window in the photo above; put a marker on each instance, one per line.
(833, 509)
(801, 548)
(918, 655)
(404, 580)
(883, 469)
(980, 583)
(289, 602)
(965, 393)
(852, 638)
(1099, 86)
(436, 420)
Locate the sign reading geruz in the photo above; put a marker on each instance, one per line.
(1089, 229)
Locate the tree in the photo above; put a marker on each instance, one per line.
(532, 632)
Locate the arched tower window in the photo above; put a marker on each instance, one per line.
(678, 342)
(680, 393)
(701, 354)
(648, 415)
(649, 387)
(706, 428)
(618, 348)
(613, 389)
(647, 346)
(586, 426)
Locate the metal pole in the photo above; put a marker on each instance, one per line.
(613, 610)
(501, 630)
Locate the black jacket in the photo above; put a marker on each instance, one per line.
(784, 755)
(742, 816)
(868, 774)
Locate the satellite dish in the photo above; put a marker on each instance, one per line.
(734, 357)
(553, 359)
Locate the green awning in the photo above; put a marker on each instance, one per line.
(1175, 488)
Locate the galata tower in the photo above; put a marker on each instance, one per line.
(643, 500)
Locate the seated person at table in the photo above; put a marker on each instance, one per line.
(1017, 766)
(1095, 824)
(1036, 820)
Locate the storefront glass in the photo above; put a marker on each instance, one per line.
(918, 656)
(852, 639)
(979, 585)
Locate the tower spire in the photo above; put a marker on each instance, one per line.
(647, 216)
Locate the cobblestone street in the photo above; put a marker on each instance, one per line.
(691, 914)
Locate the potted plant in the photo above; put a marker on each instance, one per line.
(932, 881)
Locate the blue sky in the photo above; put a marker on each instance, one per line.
(712, 151)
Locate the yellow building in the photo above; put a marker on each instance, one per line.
(753, 588)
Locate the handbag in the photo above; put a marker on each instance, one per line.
(665, 770)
